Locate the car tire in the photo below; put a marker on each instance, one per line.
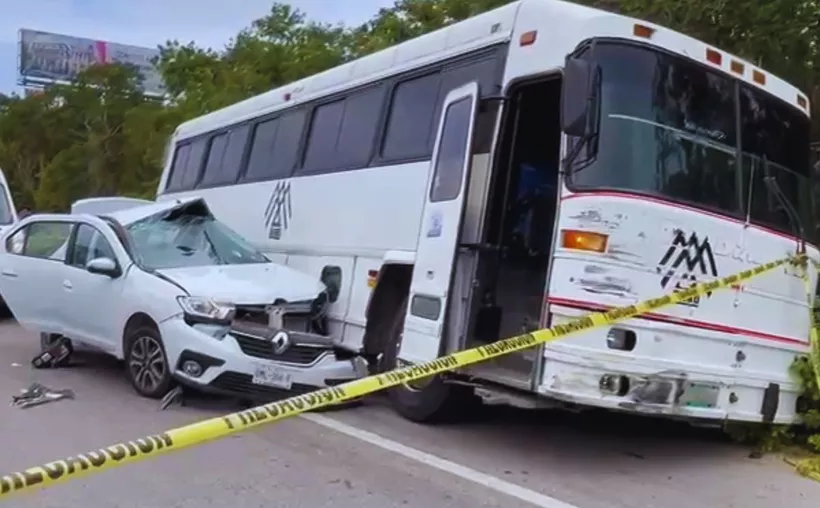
(146, 363)
(434, 401)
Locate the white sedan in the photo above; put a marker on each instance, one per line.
(177, 295)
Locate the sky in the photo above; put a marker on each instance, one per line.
(148, 23)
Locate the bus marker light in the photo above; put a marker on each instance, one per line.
(738, 67)
(801, 101)
(643, 31)
(714, 57)
(583, 240)
(528, 38)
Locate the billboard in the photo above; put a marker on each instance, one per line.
(47, 58)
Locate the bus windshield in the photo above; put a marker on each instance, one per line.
(672, 128)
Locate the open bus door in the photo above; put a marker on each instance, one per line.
(440, 228)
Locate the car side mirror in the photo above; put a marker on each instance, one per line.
(579, 97)
(104, 266)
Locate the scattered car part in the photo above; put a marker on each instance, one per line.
(37, 394)
(56, 355)
(174, 396)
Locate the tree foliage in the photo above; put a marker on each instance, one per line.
(99, 136)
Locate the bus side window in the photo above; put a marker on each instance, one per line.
(410, 128)
(275, 147)
(187, 165)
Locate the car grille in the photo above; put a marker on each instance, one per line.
(241, 384)
(259, 348)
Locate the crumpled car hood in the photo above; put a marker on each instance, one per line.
(246, 284)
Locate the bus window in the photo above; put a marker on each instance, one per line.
(410, 128)
(225, 157)
(275, 147)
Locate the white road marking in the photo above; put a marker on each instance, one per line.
(485, 480)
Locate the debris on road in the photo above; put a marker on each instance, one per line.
(174, 396)
(56, 355)
(37, 394)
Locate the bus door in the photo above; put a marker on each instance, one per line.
(440, 228)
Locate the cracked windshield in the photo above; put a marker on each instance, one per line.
(409, 253)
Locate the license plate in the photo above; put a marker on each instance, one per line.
(273, 376)
(704, 395)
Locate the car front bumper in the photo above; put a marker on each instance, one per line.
(231, 365)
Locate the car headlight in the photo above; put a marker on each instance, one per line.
(199, 309)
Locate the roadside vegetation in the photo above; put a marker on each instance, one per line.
(99, 136)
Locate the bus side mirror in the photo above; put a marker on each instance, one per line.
(579, 97)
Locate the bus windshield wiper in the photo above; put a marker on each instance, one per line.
(775, 190)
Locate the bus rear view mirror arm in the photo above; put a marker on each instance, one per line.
(580, 98)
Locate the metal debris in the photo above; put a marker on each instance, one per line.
(37, 394)
(173, 396)
(56, 355)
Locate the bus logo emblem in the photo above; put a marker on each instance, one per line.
(278, 213)
(691, 256)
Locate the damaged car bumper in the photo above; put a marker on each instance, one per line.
(257, 362)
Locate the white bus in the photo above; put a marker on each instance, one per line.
(520, 169)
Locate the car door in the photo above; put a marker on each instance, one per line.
(93, 302)
(31, 266)
(441, 228)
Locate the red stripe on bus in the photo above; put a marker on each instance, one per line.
(691, 323)
(672, 204)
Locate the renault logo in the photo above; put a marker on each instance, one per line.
(280, 342)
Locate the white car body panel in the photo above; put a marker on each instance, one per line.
(52, 296)
(240, 284)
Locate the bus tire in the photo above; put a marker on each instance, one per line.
(432, 402)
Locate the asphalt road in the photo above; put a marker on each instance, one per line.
(366, 457)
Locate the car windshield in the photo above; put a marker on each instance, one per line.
(177, 240)
(677, 130)
(6, 216)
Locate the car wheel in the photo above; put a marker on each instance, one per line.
(146, 362)
(428, 400)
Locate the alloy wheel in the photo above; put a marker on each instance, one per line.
(147, 363)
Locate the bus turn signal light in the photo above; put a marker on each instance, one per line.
(583, 240)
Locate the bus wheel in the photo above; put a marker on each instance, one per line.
(428, 400)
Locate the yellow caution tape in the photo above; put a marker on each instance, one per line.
(219, 427)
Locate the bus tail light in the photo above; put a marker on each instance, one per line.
(372, 278)
(583, 240)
